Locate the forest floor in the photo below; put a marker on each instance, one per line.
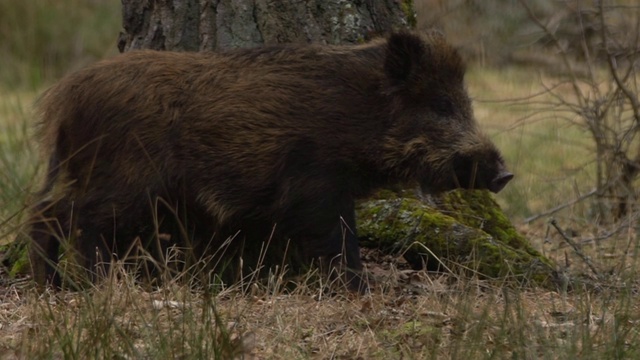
(409, 314)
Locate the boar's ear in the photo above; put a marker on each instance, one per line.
(412, 64)
(404, 60)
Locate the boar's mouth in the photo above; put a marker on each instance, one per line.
(471, 173)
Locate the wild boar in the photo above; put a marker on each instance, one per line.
(274, 143)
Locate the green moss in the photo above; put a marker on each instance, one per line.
(409, 12)
(20, 267)
(16, 258)
(462, 228)
(391, 224)
(410, 335)
(410, 329)
(478, 209)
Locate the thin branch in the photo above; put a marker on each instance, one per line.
(576, 248)
(635, 106)
(556, 41)
(560, 207)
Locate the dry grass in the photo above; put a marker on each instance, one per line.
(411, 315)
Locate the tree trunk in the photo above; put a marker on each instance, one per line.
(196, 25)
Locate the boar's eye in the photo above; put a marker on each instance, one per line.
(443, 106)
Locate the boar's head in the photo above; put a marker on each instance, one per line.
(434, 138)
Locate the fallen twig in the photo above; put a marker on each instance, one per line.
(576, 248)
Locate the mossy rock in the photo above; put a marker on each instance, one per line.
(460, 230)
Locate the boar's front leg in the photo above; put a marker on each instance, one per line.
(343, 250)
(327, 229)
(317, 211)
(93, 252)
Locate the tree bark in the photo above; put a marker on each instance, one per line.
(197, 25)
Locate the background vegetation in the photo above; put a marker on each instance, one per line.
(40, 40)
(548, 143)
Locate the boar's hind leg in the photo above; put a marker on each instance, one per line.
(54, 224)
(45, 234)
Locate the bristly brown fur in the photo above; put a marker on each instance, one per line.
(247, 139)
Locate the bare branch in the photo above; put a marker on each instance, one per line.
(576, 248)
(612, 68)
(556, 41)
(560, 207)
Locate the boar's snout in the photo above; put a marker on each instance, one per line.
(500, 181)
(481, 170)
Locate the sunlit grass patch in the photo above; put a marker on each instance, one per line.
(551, 156)
(19, 161)
(43, 39)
